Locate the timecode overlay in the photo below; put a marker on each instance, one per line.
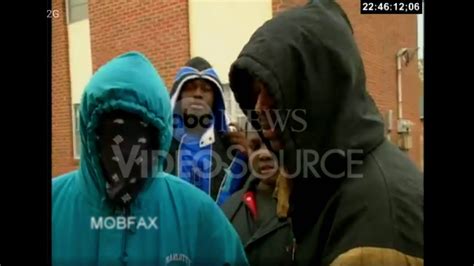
(391, 6)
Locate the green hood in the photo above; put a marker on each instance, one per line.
(128, 82)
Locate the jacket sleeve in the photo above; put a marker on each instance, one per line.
(368, 230)
(361, 236)
(218, 241)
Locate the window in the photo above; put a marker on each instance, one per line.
(80, 62)
(232, 107)
(227, 98)
(420, 74)
(422, 110)
(77, 10)
(76, 133)
(420, 19)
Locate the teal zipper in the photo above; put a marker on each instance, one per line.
(124, 256)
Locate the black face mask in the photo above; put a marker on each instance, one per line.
(125, 144)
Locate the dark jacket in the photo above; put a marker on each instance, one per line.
(220, 172)
(309, 61)
(267, 239)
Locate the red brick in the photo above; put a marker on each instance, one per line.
(61, 150)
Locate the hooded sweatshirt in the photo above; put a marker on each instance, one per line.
(169, 222)
(205, 161)
(372, 211)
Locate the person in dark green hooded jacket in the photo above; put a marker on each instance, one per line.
(119, 207)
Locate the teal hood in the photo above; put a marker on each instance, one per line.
(130, 83)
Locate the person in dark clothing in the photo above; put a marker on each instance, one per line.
(205, 151)
(359, 200)
(258, 211)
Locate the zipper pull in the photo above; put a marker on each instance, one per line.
(293, 245)
(293, 250)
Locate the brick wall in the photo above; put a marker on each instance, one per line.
(61, 150)
(379, 37)
(157, 28)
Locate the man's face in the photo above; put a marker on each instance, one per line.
(262, 163)
(197, 97)
(265, 107)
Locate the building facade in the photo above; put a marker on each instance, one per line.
(88, 33)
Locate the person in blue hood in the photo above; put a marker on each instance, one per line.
(120, 207)
(205, 151)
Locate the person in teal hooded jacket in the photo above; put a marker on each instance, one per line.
(120, 207)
